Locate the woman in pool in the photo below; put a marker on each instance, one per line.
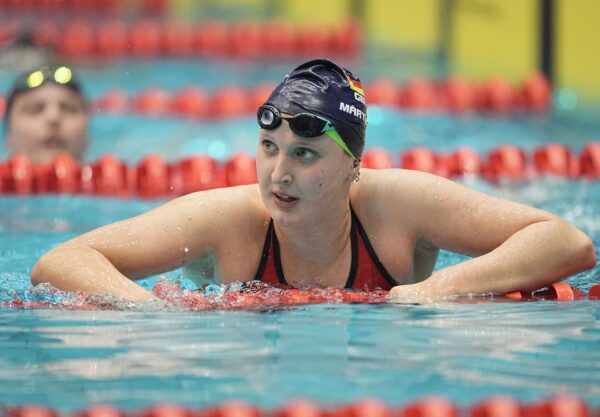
(317, 219)
(46, 114)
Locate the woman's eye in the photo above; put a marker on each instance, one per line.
(269, 146)
(305, 154)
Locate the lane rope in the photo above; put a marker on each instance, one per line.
(493, 406)
(153, 177)
(495, 96)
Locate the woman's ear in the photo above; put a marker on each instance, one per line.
(356, 171)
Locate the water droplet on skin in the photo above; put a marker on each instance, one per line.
(186, 249)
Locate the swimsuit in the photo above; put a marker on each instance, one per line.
(366, 271)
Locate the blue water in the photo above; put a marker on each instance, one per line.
(464, 350)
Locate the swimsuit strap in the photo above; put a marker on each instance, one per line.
(370, 254)
(264, 257)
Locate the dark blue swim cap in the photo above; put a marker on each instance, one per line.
(323, 88)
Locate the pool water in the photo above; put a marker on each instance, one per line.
(330, 353)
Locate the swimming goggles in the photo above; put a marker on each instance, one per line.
(62, 75)
(306, 125)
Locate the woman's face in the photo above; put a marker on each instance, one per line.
(301, 179)
(46, 121)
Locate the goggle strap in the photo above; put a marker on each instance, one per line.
(333, 134)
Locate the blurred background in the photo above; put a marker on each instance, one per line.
(199, 68)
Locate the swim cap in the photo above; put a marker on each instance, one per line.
(57, 74)
(323, 88)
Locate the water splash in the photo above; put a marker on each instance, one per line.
(253, 295)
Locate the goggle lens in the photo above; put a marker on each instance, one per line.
(266, 118)
(61, 75)
(303, 124)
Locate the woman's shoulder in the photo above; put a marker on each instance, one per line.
(386, 193)
(379, 183)
(241, 202)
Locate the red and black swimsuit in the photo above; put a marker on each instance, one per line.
(366, 271)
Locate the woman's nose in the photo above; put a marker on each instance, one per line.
(281, 171)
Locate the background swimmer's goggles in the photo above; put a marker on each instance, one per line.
(302, 124)
(61, 75)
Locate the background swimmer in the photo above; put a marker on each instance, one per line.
(46, 114)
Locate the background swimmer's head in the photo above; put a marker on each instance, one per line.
(323, 88)
(46, 114)
(57, 74)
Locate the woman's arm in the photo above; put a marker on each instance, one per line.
(168, 237)
(516, 247)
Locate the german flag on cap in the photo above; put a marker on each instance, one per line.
(355, 83)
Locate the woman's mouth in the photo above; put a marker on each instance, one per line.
(284, 201)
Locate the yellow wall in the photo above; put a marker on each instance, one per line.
(577, 59)
(488, 37)
(403, 23)
(317, 12)
(495, 37)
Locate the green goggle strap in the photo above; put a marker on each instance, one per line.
(333, 134)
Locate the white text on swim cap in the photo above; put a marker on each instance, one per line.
(359, 97)
(350, 109)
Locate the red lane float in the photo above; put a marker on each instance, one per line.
(18, 176)
(463, 162)
(299, 408)
(594, 292)
(459, 95)
(108, 176)
(166, 410)
(363, 408)
(77, 39)
(497, 95)
(150, 37)
(383, 93)
(559, 291)
(555, 159)
(536, 92)
(197, 173)
(112, 39)
(376, 159)
(422, 159)
(153, 177)
(506, 161)
(240, 170)
(498, 406)
(100, 410)
(236, 101)
(420, 94)
(589, 162)
(192, 102)
(61, 176)
(560, 406)
(430, 407)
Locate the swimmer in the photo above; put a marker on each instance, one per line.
(316, 218)
(46, 114)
